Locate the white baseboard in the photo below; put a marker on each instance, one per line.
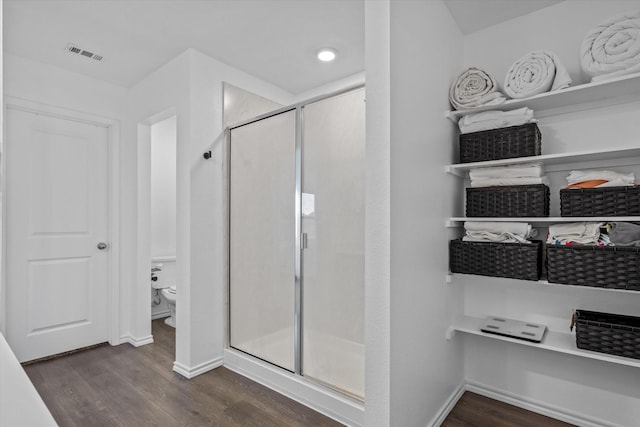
(321, 399)
(194, 371)
(448, 406)
(136, 342)
(538, 407)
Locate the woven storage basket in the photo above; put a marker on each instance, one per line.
(607, 201)
(514, 260)
(612, 267)
(608, 333)
(504, 143)
(508, 201)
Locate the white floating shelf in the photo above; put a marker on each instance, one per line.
(451, 277)
(542, 221)
(559, 162)
(574, 98)
(560, 342)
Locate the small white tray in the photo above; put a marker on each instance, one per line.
(514, 328)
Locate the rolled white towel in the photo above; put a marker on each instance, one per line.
(495, 119)
(612, 48)
(536, 72)
(619, 178)
(531, 170)
(474, 88)
(492, 182)
(586, 233)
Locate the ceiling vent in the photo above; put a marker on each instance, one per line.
(71, 48)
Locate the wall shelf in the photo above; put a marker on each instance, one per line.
(574, 98)
(560, 162)
(541, 221)
(452, 276)
(560, 342)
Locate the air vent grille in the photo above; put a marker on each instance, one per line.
(79, 51)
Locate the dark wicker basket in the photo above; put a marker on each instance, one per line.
(504, 143)
(514, 260)
(611, 267)
(607, 201)
(508, 201)
(608, 333)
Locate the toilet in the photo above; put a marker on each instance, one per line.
(170, 295)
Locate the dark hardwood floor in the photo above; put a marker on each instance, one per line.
(473, 410)
(128, 386)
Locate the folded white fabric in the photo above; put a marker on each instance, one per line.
(491, 182)
(474, 88)
(536, 72)
(612, 48)
(586, 233)
(619, 179)
(531, 170)
(495, 119)
(504, 232)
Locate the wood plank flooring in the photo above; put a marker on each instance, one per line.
(473, 410)
(128, 386)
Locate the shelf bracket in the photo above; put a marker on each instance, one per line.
(451, 332)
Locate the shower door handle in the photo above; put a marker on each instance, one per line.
(303, 241)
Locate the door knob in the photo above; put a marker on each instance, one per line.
(102, 246)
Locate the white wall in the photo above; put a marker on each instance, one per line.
(163, 188)
(413, 51)
(191, 86)
(570, 385)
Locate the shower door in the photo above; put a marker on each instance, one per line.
(296, 240)
(262, 239)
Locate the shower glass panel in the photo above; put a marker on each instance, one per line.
(262, 238)
(332, 208)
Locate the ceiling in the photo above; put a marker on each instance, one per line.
(274, 40)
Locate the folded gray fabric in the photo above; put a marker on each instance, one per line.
(625, 234)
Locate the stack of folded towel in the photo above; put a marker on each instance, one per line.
(570, 233)
(601, 178)
(495, 119)
(612, 48)
(524, 174)
(536, 72)
(474, 88)
(502, 232)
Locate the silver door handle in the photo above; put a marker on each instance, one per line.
(102, 246)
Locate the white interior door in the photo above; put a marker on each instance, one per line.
(57, 216)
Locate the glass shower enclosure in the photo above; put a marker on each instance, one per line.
(296, 239)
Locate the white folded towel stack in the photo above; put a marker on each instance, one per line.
(474, 88)
(614, 179)
(495, 119)
(536, 72)
(584, 233)
(612, 48)
(524, 174)
(501, 232)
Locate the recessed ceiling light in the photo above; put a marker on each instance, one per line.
(326, 54)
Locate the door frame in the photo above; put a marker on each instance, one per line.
(113, 179)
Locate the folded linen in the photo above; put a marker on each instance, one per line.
(474, 88)
(503, 232)
(495, 119)
(612, 48)
(612, 178)
(525, 180)
(624, 234)
(584, 233)
(532, 170)
(536, 72)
